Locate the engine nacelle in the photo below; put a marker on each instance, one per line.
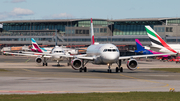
(76, 64)
(132, 64)
(38, 60)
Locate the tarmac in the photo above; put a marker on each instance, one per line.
(24, 76)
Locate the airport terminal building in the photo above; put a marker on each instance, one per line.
(77, 31)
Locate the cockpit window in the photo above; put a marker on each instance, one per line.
(105, 50)
(110, 50)
(58, 51)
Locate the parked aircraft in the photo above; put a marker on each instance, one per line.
(159, 44)
(105, 54)
(142, 50)
(36, 48)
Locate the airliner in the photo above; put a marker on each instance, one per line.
(159, 44)
(36, 48)
(142, 50)
(107, 54)
(100, 54)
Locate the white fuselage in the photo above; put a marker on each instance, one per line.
(161, 49)
(103, 53)
(56, 51)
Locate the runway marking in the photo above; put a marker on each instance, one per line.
(166, 85)
(27, 60)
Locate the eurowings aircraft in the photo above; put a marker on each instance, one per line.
(105, 54)
(36, 48)
(57, 54)
(159, 44)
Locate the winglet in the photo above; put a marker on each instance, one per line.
(92, 33)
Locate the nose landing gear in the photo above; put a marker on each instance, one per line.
(118, 69)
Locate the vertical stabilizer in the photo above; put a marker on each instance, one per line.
(139, 45)
(35, 46)
(156, 40)
(92, 33)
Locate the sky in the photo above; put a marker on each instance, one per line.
(80, 9)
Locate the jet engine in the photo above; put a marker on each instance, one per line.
(38, 60)
(132, 64)
(76, 64)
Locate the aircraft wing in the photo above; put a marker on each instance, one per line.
(86, 58)
(20, 54)
(138, 56)
(83, 56)
(47, 56)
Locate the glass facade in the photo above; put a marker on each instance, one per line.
(38, 26)
(95, 23)
(159, 29)
(173, 21)
(133, 27)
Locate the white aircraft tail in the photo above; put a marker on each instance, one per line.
(156, 40)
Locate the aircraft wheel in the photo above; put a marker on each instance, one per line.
(121, 69)
(43, 64)
(109, 70)
(80, 70)
(68, 64)
(85, 69)
(46, 64)
(117, 69)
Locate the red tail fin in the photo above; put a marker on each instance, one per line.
(92, 33)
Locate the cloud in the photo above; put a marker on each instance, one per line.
(59, 16)
(21, 11)
(3, 16)
(16, 13)
(17, 1)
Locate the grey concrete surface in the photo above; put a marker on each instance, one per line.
(24, 76)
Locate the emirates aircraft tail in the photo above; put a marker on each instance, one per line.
(157, 41)
(92, 33)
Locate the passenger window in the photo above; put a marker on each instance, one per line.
(109, 50)
(114, 50)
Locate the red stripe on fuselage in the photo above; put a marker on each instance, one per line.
(165, 45)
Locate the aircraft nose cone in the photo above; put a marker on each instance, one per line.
(110, 58)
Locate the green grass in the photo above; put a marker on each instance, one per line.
(175, 70)
(131, 96)
(3, 70)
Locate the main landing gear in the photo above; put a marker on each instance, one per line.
(118, 69)
(83, 68)
(45, 62)
(69, 62)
